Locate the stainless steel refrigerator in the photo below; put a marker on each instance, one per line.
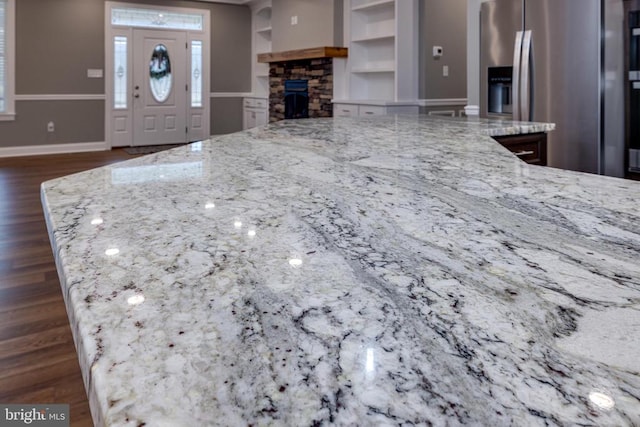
(544, 61)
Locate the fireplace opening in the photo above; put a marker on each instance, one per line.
(296, 99)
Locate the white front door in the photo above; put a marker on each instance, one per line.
(159, 87)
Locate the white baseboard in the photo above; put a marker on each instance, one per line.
(40, 150)
(472, 110)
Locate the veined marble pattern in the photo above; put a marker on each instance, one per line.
(366, 271)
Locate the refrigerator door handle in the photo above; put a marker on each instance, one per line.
(525, 87)
(515, 80)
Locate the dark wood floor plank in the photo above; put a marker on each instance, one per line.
(38, 362)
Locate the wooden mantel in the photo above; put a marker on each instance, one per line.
(311, 53)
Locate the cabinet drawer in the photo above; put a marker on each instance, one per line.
(531, 148)
(260, 103)
(372, 110)
(345, 110)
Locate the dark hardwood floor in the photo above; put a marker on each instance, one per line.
(38, 362)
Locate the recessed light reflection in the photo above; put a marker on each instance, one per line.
(369, 365)
(112, 251)
(602, 401)
(136, 299)
(295, 262)
(210, 205)
(251, 233)
(237, 224)
(97, 221)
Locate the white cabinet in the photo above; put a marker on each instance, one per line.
(256, 112)
(261, 17)
(382, 37)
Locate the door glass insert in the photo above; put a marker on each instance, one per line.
(160, 78)
(196, 73)
(120, 72)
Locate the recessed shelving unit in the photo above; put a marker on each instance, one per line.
(262, 44)
(382, 68)
(256, 106)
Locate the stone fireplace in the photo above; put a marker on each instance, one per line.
(311, 66)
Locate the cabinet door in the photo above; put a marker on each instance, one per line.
(249, 119)
(261, 117)
(531, 148)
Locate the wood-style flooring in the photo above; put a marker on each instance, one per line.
(38, 361)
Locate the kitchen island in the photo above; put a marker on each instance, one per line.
(357, 271)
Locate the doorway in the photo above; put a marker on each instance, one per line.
(157, 75)
(160, 87)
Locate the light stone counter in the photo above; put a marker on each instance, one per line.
(366, 271)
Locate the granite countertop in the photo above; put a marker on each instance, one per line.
(356, 271)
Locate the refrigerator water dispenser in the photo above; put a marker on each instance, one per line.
(500, 79)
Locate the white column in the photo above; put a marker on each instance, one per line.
(473, 58)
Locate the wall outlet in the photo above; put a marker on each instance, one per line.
(294, 20)
(51, 127)
(445, 71)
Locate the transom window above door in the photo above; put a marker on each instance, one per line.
(153, 18)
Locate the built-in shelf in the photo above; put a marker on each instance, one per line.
(374, 38)
(262, 32)
(373, 70)
(372, 5)
(383, 55)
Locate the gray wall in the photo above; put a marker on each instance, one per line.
(224, 118)
(443, 23)
(319, 24)
(57, 41)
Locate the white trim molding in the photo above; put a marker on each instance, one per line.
(61, 97)
(39, 150)
(10, 61)
(233, 95)
(443, 102)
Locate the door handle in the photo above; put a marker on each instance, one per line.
(526, 77)
(524, 153)
(515, 80)
(136, 95)
(137, 87)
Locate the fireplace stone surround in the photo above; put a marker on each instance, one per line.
(313, 65)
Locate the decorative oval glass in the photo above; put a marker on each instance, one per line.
(160, 78)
